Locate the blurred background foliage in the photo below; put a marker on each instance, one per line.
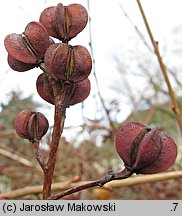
(90, 159)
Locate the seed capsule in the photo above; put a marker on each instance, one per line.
(80, 91)
(145, 150)
(18, 65)
(28, 49)
(64, 22)
(68, 63)
(31, 125)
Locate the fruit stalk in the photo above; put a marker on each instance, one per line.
(59, 118)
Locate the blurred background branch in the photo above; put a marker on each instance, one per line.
(110, 185)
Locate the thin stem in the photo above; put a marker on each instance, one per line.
(146, 44)
(109, 177)
(175, 108)
(94, 72)
(135, 27)
(36, 151)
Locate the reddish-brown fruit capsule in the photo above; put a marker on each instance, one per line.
(31, 125)
(21, 122)
(28, 49)
(68, 63)
(64, 22)
(46, 18)
(17, 49)
(38, 37)
(18, 65)
(44, 89)
(79, 92)
(145, 150)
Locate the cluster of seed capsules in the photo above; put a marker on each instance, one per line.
(66, 64)
(142, 150)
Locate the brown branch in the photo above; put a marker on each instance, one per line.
(59, 118)
(109, 177)
(176, 109)
(38, 156)
(61, 99)
(135, 180)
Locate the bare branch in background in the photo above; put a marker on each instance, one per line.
(136, 180)
(4, 75)
(146, 43)
(94, 71)
(19, 159)
(176, 109)
(25, 12)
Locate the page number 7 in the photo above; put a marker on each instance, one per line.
(175, 206)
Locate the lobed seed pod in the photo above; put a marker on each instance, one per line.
(31, 125)
(38, 38)
(68, 63)
(79, 92)
(18, 65)
(28, 49)
(64, 22)
(145, 150)
(18, 50)
(44, 88)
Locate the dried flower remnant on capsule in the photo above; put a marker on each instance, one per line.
(145, 150)
(31, 125)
